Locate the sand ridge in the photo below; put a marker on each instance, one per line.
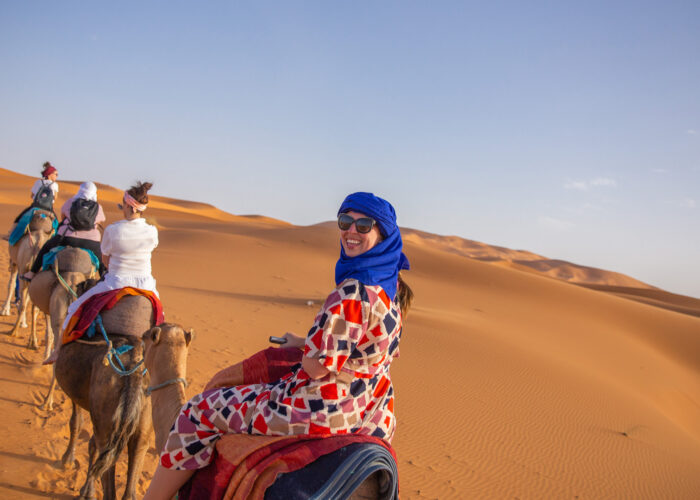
(509, 383)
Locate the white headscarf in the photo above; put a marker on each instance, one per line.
(87, 191)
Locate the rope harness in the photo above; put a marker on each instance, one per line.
(113, 353)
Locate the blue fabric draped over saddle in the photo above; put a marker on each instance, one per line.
(22, 224)
(50, 257)
(338, 474)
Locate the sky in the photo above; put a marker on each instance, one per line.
(569, 129)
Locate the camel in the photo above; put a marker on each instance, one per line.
(166, 350)
(119, 410)
(22, 255)
(52, 291)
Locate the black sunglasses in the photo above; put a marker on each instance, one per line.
(363, 224)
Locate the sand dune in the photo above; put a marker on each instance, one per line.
(510, 384)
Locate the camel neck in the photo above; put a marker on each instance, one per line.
(165, 407)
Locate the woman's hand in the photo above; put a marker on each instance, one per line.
(314, 368)
(294, 340)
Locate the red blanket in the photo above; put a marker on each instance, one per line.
(88, 310)
(245, 466)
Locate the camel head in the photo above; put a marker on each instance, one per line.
(166, 348)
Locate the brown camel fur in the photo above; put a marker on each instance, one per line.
(22, 255)
(166, 348)
(53, 297)
(166, 360)
(119, 411)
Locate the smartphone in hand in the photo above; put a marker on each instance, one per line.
(277, 340)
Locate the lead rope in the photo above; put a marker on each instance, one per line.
(172, 381)
(62, 281)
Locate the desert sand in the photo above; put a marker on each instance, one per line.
(519, 376)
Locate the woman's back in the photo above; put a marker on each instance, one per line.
(129, 244)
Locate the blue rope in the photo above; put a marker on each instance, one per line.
(116, 352)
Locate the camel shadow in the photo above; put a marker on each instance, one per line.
(267, 299)
(23, 490)
(17, 401)
(24, 382)
(29, 458)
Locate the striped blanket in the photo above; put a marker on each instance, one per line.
(88, 310)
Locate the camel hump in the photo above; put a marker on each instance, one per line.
(42, 220)
(131, 316)
(40, 289)
(74, 260)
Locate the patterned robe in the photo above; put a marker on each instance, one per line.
(355, 336)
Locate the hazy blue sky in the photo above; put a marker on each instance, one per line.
(570, 129)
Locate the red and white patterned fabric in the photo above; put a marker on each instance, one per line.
(355, 336)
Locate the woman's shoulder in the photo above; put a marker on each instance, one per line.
(372, 294)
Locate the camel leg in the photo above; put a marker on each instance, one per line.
(87, 492)
(137, 448)
(48, 400)
(109, 486)
(22, 313)
(49, 337)
(10, 292)
(24, 300)
(76, 421)
(33, 344)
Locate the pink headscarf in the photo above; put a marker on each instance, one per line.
(131, 201)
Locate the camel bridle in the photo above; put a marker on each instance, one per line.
(172, 381)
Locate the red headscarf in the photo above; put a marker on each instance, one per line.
(48, 170)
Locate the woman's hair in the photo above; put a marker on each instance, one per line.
(47, 169)
(405, 296)
(140, 191)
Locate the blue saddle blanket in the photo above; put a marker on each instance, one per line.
(50, 257)
(22, 224)
(337, 474)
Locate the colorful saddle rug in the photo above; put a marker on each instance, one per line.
(22, 224)
(50, 257)
(288, 467)
(293, 468)
(84, 317)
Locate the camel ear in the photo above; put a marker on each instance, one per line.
(189, 335)
(154, 333)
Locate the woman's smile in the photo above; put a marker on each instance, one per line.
(355, 243)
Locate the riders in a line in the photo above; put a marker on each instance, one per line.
(126, 251)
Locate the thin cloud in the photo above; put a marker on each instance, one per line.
(692, 131)
(586, 185)
(688, 203)
(660, 170)
(553, 223)
(604, 181)
(577, 185)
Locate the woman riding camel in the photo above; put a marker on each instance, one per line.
(126, 250)
(82, 232)
(342, 384)
(44, 191)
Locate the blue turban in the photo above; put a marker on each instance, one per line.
(381, 264)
